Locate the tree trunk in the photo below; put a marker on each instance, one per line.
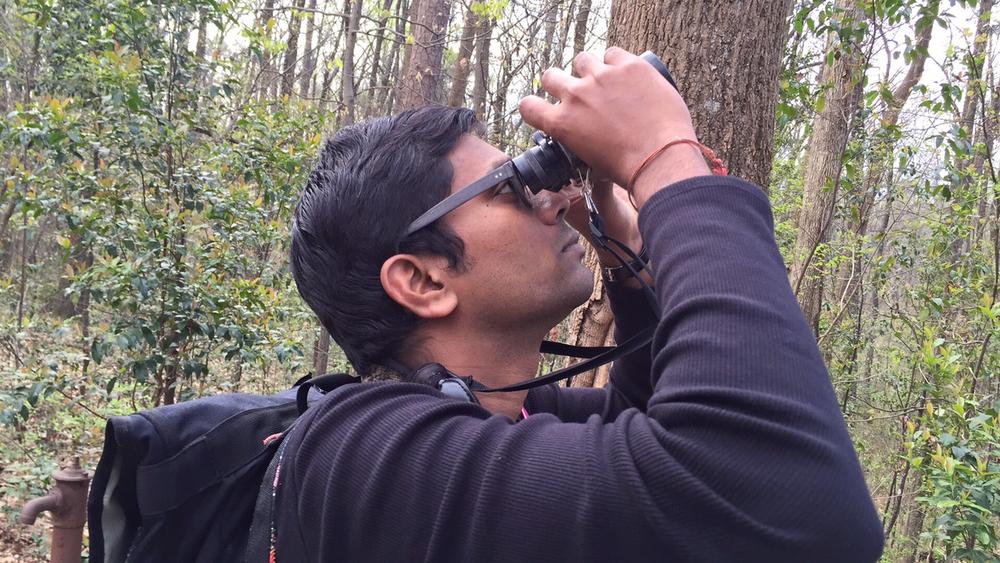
(592, 324)
(568, 19)
(308, 56)
(482, 77)
(389, 82)
(267, 74)
(375, 97)
(292, 51)
(726, 64)
(842, 83)
(199, 49)
(347, 79)
(331, 70)
(726, 57)
(421, 82)
(321, 352)
(463, 62)
(975, 84)
(580, 29)
(852, 273)
(551, 16)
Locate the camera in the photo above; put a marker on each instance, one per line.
(548, 165)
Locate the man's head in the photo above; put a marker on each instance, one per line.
(488, 265)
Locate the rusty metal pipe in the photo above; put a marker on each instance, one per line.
(68, 505)
(48, 503)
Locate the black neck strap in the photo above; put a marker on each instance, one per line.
(596, 357)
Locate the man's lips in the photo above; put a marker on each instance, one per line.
(575, 239)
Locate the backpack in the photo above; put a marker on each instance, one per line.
(181, 482)
(194, 481)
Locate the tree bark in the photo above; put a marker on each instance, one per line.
(347, 79)
(330, 71)
(463, 62)
(321, 352)
(852, 273)
(267, 74)
(375, 96)
(564, 33)
(592, 324)
(199, 49)
(551, 15)
(292, 51)
(580, 29)
(975, 84)
(308, 56)
(841, 84)
(421, 82)
(726, 57)
(480, 86)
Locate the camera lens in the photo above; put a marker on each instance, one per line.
(546, 166)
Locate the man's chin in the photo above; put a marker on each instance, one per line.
(582, 287)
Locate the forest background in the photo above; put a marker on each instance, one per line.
(151, 154)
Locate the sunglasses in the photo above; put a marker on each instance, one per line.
(505, 173)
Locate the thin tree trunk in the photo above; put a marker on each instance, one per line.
(975, 84)
(842, 84)
(848, 282)
(347, 80)
(308, 56)
(499, 102)
(580, 29)
(389, 86)
(199, 49)
(331, 70)
(568, 20)
(421, 82)
(463, 62)
(375, 98)
(321, 353)
(551, 19)
(292, 51)
(481, 79)
(592, 324)
(267, 75)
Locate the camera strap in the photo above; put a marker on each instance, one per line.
(596, 357)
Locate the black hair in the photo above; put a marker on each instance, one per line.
(371, 181)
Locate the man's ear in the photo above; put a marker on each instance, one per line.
(419, 285)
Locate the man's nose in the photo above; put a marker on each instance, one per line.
(551, 207)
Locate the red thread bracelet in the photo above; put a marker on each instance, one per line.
(716, 164)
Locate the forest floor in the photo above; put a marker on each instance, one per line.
(18, 543)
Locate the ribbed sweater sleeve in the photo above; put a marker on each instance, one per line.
(741, 453)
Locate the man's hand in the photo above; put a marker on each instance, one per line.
(615, 115)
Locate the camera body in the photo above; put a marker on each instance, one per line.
(548, 165)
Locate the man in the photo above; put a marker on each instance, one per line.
(722, 441)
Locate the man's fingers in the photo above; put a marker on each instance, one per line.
(536, 112)
(584, 63)
(555, 81)
(616, 56)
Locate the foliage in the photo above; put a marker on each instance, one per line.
(150, 167)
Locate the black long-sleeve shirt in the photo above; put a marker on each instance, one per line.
(724, 443)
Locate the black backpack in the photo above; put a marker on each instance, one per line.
(194, 482)
(181, 482)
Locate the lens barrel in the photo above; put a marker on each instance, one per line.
(548, 165)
